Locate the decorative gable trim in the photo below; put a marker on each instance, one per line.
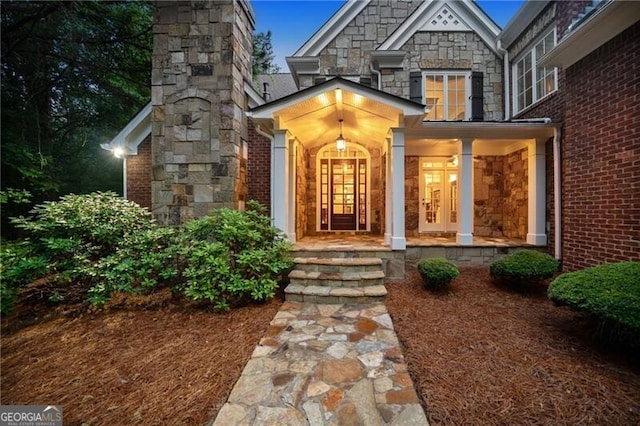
(445, 20)
(332, 28)
(466, 12)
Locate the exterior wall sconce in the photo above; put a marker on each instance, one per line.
(341, 144)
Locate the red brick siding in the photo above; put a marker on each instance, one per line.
(139, 175)
(259, 167)
(601, 155)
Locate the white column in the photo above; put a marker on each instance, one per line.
(280, 164)
(464, 236)
(536, 233)
(398, 240)
(291, 188)
(388, 201)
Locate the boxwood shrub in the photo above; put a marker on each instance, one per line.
(608, 292)
(437, 273)
(524, 267)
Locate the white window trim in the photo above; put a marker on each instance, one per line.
(531, 51)
(467, 89)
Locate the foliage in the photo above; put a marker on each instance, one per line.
(436, 273)
(609, 292)
(73, 74)
(233, 256)
(144, 259)
(17, 266)
(524, 267)
(263, 56)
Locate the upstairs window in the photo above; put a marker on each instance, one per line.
(532, 82)
(450, 95)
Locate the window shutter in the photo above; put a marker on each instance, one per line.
(477, 96)
(415, 86)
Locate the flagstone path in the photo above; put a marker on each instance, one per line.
(325, 365)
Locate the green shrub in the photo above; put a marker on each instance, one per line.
(609, 292)
(524, 267)
(437, 273)
(233, 256)
(18, 265)
(143, 261)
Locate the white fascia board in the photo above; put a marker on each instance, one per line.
(332, 28)
(521, 20)
(133, 133)
(472, 16)
(303, 65)
(388, 58)
(484, 130)
(605, 23)
(255, 99)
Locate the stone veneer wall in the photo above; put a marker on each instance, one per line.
(488, 196)
(516, 195)
(302, 164)
(201, 57)
(412, 195)
(376, 191)
(450, 51)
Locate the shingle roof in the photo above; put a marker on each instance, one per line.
(280, 85)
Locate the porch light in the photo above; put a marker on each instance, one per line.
(454, 161)
(340, 142)
(119, 152)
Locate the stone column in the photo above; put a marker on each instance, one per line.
(398, 240)
(201, 57)
(536, 233)
(464, 236)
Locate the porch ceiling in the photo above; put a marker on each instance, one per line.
(313, 115)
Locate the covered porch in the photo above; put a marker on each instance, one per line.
(348, 160)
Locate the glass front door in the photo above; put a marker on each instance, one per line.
(343, 194)
(438, 196)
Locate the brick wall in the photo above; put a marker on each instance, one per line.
(139, 175)
(259, 168)
(601, 155)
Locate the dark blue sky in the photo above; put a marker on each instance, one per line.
(293, 22)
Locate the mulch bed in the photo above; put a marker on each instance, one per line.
(485, 354)
(142, 363)
(478, 354)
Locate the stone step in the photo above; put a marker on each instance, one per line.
(340, 264)
(334, 295)
(339, 254)
(337, 279)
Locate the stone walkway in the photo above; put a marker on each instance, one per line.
(325, 365)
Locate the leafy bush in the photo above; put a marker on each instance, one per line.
(524, 267)
(437, 273)
(79, 229)
(143, 260)
(609, 292)
(233, 256)
(17, 266)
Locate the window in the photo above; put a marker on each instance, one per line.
(446, 96)
(531, 82)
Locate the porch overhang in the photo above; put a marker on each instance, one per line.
(312, 115)
(530, 129)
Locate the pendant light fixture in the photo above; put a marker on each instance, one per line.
(340, 142)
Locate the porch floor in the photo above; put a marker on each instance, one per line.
(365, 242)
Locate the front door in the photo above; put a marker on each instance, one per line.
(438, 195)
(343, 194)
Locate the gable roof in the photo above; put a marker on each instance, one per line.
(461, 15)
(280, 85)
(332, 28)
(133, 133)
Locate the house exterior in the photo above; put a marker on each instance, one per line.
(406, 120)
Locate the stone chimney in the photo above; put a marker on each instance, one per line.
(201, 58)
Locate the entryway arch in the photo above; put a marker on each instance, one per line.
(343, 188)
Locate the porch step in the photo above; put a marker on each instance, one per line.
(336, 280)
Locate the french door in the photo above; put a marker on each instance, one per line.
(438, 196)
(343, 194)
